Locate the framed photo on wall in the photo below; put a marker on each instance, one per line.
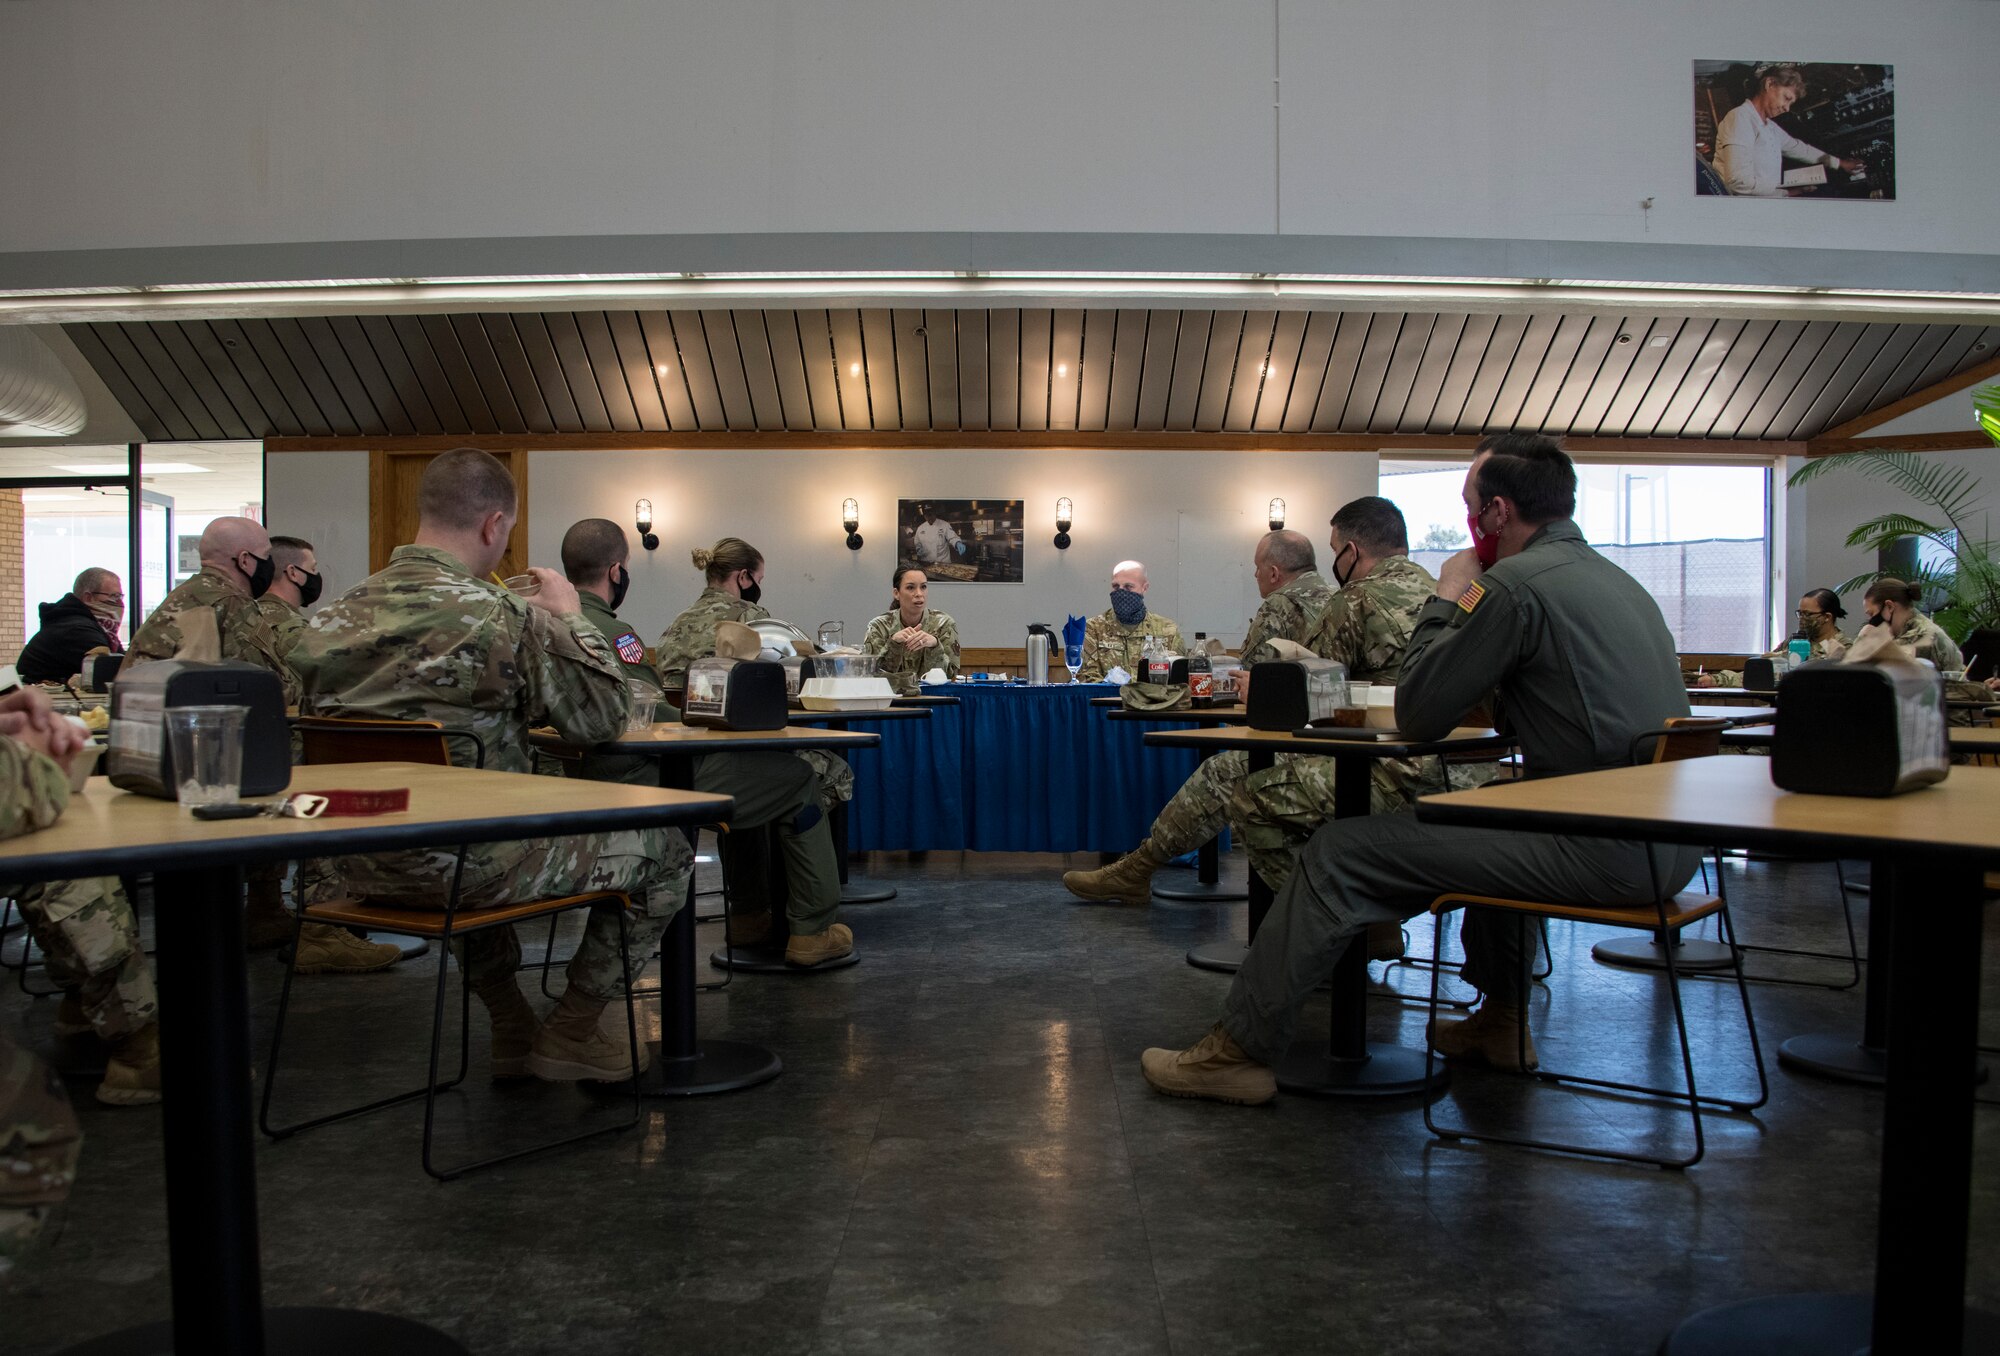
(961, 541)
(1794, 129)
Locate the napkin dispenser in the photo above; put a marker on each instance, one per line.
(99, 670)
(1288, 694)
(1860, 730)
(142, 756)
(1760, 674)
(735, 694)
(798, 668)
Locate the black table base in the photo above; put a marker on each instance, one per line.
(1207, 887)
(295, 1332)
(715, 1066)
(1839, 1057)
(770, 960)
(1224, 957)
(1808, 1325)
(1381, 1071)
(1643, 953)
(861, 892)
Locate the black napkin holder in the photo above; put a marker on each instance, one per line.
(735, 694)
(1288, 694)
(1760, 674)
(1860, 729)
(141, 757)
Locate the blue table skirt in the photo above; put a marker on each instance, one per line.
(1012, 768)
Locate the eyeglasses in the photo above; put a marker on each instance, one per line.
(1803, 613)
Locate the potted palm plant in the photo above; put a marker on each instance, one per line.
(1961, 573)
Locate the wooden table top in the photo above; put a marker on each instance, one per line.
(1962, 738)
(106, 831)
(1731, 802)
(925, 699)
(695, 739)
(1195, 715)
(870, 713)
(1464, 739)
(1731, 694)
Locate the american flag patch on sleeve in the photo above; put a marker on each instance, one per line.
(631, 650)
(1470, 598)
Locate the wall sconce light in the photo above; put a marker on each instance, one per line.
(1277, 515)
(643, 512)
(850, 518)
(1065, 515)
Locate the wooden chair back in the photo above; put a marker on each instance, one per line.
(357, 739)
(1689, 737)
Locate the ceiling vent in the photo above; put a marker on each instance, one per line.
(38, 397)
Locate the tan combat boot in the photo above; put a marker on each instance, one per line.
(1493, 1034)
(575, 1046)
(1129, 880)
(514, 1026)
(1214, 1067)
(132, 1076)
(820, 947)
(266, 920)
(328, 950)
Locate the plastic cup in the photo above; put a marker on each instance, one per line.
(644, 698)
(526, 585)
(208, 753)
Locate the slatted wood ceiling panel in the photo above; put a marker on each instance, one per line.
(856, 370)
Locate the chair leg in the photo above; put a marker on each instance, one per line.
(26, 963)
(548, 954)
(1430, 1027)
(1853, 955)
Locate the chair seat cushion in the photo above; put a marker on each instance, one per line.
(421, 921)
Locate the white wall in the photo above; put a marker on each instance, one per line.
(1193, 517)
(132, 123)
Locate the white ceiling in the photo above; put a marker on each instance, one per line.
(231, 478)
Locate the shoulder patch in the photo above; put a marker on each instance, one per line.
(1470, 598)
(629, 647)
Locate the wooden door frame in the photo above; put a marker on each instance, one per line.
(379, 544)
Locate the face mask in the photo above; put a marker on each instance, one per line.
(1128, 607)
(618, 587)
(751, 591)
(1338, 577)
(309, 591)
(1486, 548)
(260, 578)
(1878, 619)
(107, 615)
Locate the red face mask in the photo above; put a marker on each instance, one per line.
(1486, 548)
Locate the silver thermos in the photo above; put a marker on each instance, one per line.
(1038, 656)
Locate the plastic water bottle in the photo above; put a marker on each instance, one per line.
(1801, 651)
(1201, 677)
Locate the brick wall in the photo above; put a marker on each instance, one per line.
(13, 569)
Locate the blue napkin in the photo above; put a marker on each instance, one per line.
(1073, 641)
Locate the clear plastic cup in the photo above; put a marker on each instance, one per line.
(207, 753)
(644, 698)
(526, 585)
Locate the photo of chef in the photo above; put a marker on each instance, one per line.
(1794, 129)
(962, 541)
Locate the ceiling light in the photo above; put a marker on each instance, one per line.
(664, 369)
(854, 369)
(1062, 369)
(117, 468)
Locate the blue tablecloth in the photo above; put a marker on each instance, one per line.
(1012, 768)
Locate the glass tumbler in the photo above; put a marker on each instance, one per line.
(207, 744)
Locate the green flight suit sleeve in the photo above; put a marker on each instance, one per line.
(1456, 659)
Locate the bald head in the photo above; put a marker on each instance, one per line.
(1281, 557)
(223, 539)
(1129, 577)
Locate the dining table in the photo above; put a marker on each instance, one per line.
(1208, 886)
(844, 718)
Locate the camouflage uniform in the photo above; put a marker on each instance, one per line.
(287, 623)
(691, 636)
(1214, 796)
(767, 787)
(425, 639)
(1830, 647)
(903, 667)
(90, 941)
(244, 632)
(1925, 639)
(1109, 644)
(39, 1136)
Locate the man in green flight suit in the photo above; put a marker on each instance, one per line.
(1114, 638)
(431, 637)
(1582, 664)
(771, 788)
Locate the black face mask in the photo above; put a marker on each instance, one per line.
(260, 579)
(751, 591)
(1338, 577)
(618, 587)
(1877, 619)
(309, 591)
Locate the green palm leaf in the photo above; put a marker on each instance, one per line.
(1986, 400)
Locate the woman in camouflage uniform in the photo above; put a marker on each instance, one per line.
(734, 570)
(912, 638)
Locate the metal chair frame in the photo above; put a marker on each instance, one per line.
(436, 737)
(1678, 739)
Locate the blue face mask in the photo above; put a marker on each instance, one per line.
(1128, 607)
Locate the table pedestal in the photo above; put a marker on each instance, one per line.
(853, 892)
(213, 1253)
(1647, 953)
(1806, 1325)
(683, 1064)
(1208, 887)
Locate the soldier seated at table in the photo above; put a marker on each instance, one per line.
(1582, 664)
(1115, 637)
(39, 1135)
(431, 637)
(1819, 617)
(733, 585)
(912, 638)
(1364, 626)
(771, 788)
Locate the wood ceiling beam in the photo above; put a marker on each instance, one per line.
(948, 440)
(1958, 440)
(1915, 400)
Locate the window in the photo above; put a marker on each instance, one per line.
(1696, 536)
